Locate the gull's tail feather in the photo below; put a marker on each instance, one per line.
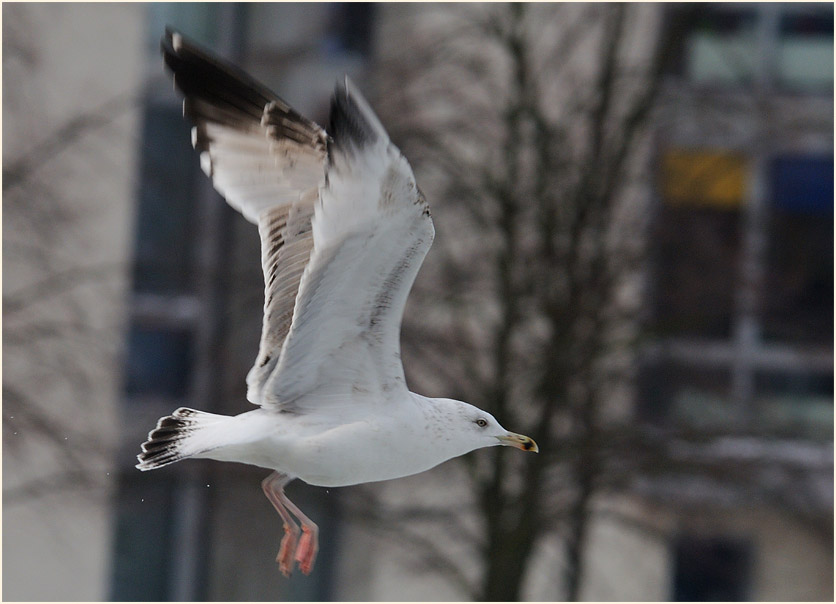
(184, 433)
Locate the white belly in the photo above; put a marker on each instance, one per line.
(358, 453)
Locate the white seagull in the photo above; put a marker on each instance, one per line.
(344, 230)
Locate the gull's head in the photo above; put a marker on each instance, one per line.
(472, 428)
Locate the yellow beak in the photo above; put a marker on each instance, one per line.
(519, 441)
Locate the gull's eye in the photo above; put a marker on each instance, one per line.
(482, 422)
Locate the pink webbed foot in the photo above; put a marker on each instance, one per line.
(293, 548)
(285, 556)
(308, 547)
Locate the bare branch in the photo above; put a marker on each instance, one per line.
(23, 168)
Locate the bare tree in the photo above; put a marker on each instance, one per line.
(62, 294)
(530, 127)
(539, 161)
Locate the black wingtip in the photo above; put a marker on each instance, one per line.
(201, 73)
(219, 92)
(347, 125)
(352, 122)
(175, 42)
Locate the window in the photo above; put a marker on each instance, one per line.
(679, 393)
(800, 400)
(163, 254)
(698, 238)
(805, 50)
(698, 177)
(799, 277)
(350, 29)
(803, 184)
(158, 361)
(697, 290)
(696, 269)
(788, 46)
(722, 47)
(712, 569)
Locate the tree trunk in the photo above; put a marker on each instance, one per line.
(511, 541)
(503, 580)
(578, 524)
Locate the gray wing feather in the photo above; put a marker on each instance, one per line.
(372, 230)
(268, 162)
(286, 244)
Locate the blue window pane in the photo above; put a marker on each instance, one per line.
(163, 252)
(159, 362)
(711, 569)
(350, 29)
(798, 300)
(803, 184)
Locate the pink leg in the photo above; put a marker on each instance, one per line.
(305, 551)
(309, 543)
(273, 487)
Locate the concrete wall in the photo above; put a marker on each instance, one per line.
(66, 224)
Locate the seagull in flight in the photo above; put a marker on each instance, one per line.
(344, 230)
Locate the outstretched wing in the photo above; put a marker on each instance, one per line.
(372, 229)
(344, 229)
(268, 162)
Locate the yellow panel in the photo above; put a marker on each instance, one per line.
(705, 178)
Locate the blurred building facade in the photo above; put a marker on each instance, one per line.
(741, 302)
(729, 346)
